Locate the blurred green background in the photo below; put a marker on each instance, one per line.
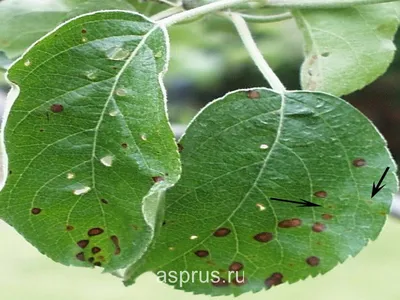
(208, 60)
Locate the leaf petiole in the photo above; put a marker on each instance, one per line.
(255, 53)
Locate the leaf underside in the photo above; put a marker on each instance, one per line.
(250, 146)
(347, 49)
(88, 139)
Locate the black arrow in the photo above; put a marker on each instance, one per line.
(378, 187)
(304, 203)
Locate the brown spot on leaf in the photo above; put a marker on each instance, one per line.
(84, 31)
(202, 253)
(95, 231)
(91, 259)
(41, 129)
(81, 256)
(124, 145)
(263, 237)
(158, 178)
(274, 279)
(115, 240)
(321, 194)
(97, 264)
(327, 216)
(210, 262)
(221, 232)
(180, 148)
(253, 95)
(235, 266)
(220, 282)
(96, 250)
(70, 228)
(83, 243)
(289, 223)
(104, 201)
(359, 162)
(36, 211)
(239, 280)
(56, 108)
(318, 227)
(101, 258)
(313, 261)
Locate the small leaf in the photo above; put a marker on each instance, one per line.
(88, 139)
(22, 22)
(346, 49)
(247, 148)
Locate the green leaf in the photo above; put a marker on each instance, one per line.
(346, 49)
(22, 22)
(88, 138)
(250, 146)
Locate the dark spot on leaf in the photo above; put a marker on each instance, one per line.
(135, 227)
(289, 223)
(81, 256)
(325, 54)
(83, 243)
(104, 201)
(56, 108)
(95, 231)
(253, 95)
(327, 216)
(9, 172)
(220, 282)
(164, 223)
(239, 280)
(124, 145)
(36, 211)
(321, 194)
(313, 261)
(263, 237)
(158, 178)
(96, 250)
(180, 148)
(91, 259)
(221, 232)
(202, 253)
(70, 228)
(274, 279)
(359, 162)
(115, 240)
(101, 258)
(83, 31)
(318, 227)
(97, 264)
(41, 129)
(235, 266)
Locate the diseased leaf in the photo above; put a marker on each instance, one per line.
(88, 138)
(22, 22)
(346, 49)
(253, 145)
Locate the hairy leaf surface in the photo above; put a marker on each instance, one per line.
(22, 22)
(88, 138)
(253, 145)
(347, 49)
